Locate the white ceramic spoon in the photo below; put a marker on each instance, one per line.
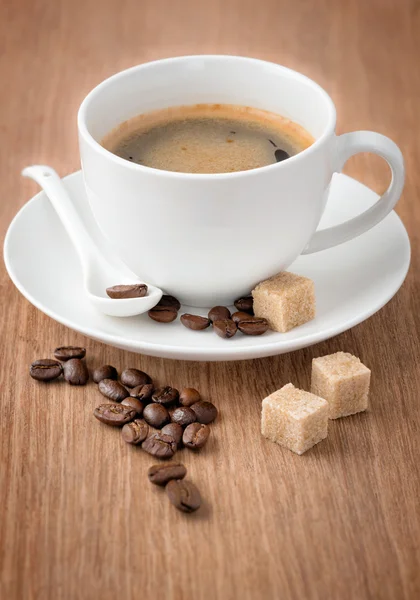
(98, 272)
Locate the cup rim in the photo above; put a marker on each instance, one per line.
(84, 132)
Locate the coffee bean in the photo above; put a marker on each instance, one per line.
(205, 411)
(76, 372)
(135, 432)
(136, 404)
(156, 415)
(137, 290)
(163, 314)
(195, 435)
(133, 377)
(45, 369)
(104, 372)
(161, 474)
(112, 389)
(183, 495)
(253, 326)
(115, 415)
(195, 322)
(142, 392)
(160, 445)
(281, 155)
(217, 313)
(170, 301)
(182, 415)
(174, 430)
(165, 395)
(245, 304)
(225, 328)
(240, 316)
(64, 353)
(189, 396)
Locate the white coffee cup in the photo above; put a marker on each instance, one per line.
(208, 239)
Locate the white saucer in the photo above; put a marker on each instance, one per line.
(352, 281)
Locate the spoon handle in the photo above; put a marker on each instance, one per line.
(52, 185)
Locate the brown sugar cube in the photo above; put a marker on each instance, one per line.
(294, 418)
(343, 381)
(286, 300)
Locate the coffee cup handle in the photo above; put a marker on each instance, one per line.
(349, 144)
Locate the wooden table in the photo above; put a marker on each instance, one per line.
(78, 519)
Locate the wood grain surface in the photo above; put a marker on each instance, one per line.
(78, 518)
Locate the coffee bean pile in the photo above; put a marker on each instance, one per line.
(225, 324)
(161, 420)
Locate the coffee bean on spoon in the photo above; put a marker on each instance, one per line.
(245, 304)
(119, 292)
(240, 316)
(183, 415)
(218, 313)
(115, 415)
(163, 314)
(142, 392)
(76, 372)
(195, 322)
(253, 326)
(205, 412)
(160, 445)
(281, 155)
(183, 495)
(104, 372)
(112, 389)
(225, 328)
(133, 377)
(169, 301)
(135, 432)
(162, 474)
(175, 430)
(189, 396)
(156, 415)
(64, 353)
(195, 436)
(165, 395)
(45, 369)
(134, 403)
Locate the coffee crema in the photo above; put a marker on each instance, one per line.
(207, 138)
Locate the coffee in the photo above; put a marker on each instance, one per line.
(205, 411)
(160, 445)
(156, 415)
(76, 372)
(207, 138)
(162, 474)
(45, 369)
(112, 389)
(115, 415)
(195, 436)
(132, 378)
(104, 372)
(64, 353)
(183, 495)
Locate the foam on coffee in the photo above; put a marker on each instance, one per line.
(207, 138)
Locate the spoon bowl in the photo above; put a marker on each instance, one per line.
(99, 272)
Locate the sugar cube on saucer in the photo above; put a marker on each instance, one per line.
(286, 300)
(294, 418)
(343, 380)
